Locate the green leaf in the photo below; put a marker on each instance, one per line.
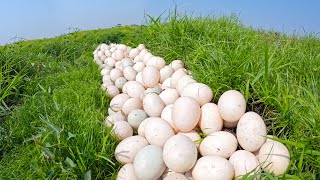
(70, 163)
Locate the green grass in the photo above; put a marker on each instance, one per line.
(53, 127)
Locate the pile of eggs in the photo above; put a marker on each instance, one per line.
(170, 129)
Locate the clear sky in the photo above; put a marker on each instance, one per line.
(34, 19)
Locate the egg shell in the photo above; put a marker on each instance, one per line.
(115, 74)
(156, 61)
(127, 62)
(119, 65)
(232, 105)
(186, 113)
(122, 129)
(150, 76)
(130, 105)
(110, 111)
(134, 52)
(105, 71)
(146, 57)
(199, 91)
(274, 157)
(158, 131)
(120, 82)
(176, 76)
(153, 105)
(244, 162)
(127, 173)
(136, 117)
(166, 83)
(129, 73)
(117, 102)
(213, 167)
(106, 78)
(148, 163)
(108, 53)
(112, 90)
(138, 59)
(100, 53)
(210, 120)
(169, 96)
(111, 119)
(134, 89)
(121, 47)
(193, 135)
(110, 62)
(113, 49)
(166, 73)
(139, 66)
(166, 114)
(141, 46)
(251, 131)
(176, 64)
(105, 85)
(117, 55)
(180, 153)
(157, 89)
(142, 126)
(139, 78)
(127, 149)
(219, 143)
(175, 176)
(183, 82)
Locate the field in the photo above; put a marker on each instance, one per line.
(52, 109)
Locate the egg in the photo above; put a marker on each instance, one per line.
(213, 167)
(219, 143)
(127, 173)
(105, 71)
(156, 61)
(139, 78)
(166, 114)
(142, 126)
(122, 129)
(157, 89)
(251, 131)
(180, 153)
(134, 89)
(186, 113)
(139, 66)
(176, 76)
(111, 119)
(127, 62)
(193, 135)
(153, 105)
(106, 78)
(199, 91)
(117, 102)
(108, 53)
(150, 76)
(244, 162)
(274, 157)
(158, 131)
(127, 149)
(232, 105)
(130, 105)
(119, 65)
(183, 82)
(141, 47)
(148, 163)
(166, 73)
(176, 64)
(227, 124)
(115, 74)
(119, 83)
(175, 176)
(146, 57)
(112, 90)
(117, 55)
(110, 62)
(167, 172)
(129, 73)
(134, 52)
(169, 96)
(138, 59)
(210, 120)
(166, 83)
(136, 117)
(110, 111)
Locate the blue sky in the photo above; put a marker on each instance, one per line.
(34, 19)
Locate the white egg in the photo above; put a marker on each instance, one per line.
(117, 102)
(232, 105)
(251, 131)
(176, 76)
(180, 153)
(120, 82)
(127, 173)
(127, 149)
(150, 76)
(130, 105)
(186, 113)
(176, 64)
(156, 61)
(158, 131)
(244, 162)
(129, 73)
(153, 105)
(210, 120)
(136, 117)
(148, 163)
(199, 91)
(213, 167)
(134, 89)
(183, 82)
(193, 135)
(274, 157)
(219, 143)
(122, 129)
(142, 126)
(139, 66)
(112, 90)
(166, 114)
(166, 73)
(169, 96)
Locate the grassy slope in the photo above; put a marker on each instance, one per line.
(279, 75)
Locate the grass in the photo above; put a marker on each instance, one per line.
(52, 126)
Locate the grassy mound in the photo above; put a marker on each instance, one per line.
(52, 107)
